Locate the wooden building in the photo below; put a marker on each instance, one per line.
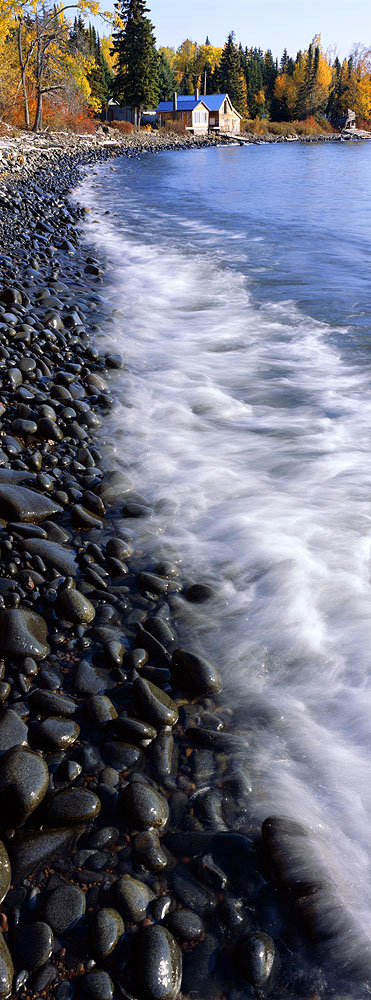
(190, 111)
(199, 114)
(347, 120)
(223, 117)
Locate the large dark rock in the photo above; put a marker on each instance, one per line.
(64, 907)
(58, 733)
(155, 704)
(33, 944)
(133, 898)
(58, 556)
(76, 607)
(12, 730)
(6, 970)
(24, 779)
(18, 503)
(160, 964)
(196, 674)
(256, 955)
(73, 805)
(23, 633)
(31, 851)
(106, 930)
(143, 807)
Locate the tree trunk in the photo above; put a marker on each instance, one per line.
(38, 123)
(23, 77)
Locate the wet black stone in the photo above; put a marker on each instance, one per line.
(12, 730)
(160, 964)
(195, 673)
(106, 930)
(98, 985)
(144, 807)
(19, 503)
(133, 898)
(73, 805)
(30, 851)
(76, 607)
(6, 969)
(148, 851)
(58, 733)
(23, 633)
(55, 555)
(64, 907)
(53, 703)
(185, 925)
(256, 956)
(134, 730)
(33, 944)
(122, 755)
(156, 705)
(24, 779)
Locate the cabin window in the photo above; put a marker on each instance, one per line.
(200, 117)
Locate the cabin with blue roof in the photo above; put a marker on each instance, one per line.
(213, 112)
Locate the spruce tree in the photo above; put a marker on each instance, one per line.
(230, 75)
(166, 78)
(137, 80)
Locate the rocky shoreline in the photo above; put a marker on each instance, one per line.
(130, 865)
(25, 153)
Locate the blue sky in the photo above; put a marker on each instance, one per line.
(271, 24)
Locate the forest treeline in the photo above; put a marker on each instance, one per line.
(56, 70)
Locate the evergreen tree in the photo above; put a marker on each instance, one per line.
(230, 75)
(270, 73)
(166, 79)
(207, 42)
(255, 80)
(137, 80)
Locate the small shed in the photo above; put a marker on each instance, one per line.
(347, 120)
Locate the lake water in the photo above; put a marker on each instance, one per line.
(242, 280)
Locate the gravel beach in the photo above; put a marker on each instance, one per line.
(129, 865)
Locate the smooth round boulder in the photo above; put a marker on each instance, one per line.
(6, 970)
(143, 807)
(256, 955)
(23, 633)
(195, 673)
(98, 985)
(134, 898)
(106, 929)
(33, 944)
(160, 964)
(76, 607)
(64, 907)
(24, 779)
(157, 707)
(58, 733)
(73, 805)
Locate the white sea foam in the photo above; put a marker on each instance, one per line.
(254, 430)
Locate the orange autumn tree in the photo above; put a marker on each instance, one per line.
(40, 32)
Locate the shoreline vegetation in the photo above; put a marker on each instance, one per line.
(130, 865)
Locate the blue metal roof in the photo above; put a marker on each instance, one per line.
(184, 104)
(214, 101)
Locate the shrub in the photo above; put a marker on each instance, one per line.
(261, 126)
(126, 128)
(177, 127)
(364, 123)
